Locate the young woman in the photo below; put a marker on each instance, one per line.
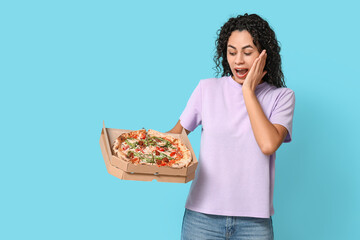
(245, 116)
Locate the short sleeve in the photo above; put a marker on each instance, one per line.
(283, 112)
(191, 116)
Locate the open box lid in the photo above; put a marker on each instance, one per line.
(111, 134)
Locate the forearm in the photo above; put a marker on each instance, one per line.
(178, 129)
(265, 133)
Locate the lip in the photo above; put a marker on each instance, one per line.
(241, 76)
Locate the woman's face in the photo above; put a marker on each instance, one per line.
(241, 53)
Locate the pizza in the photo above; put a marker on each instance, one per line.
(152, 148)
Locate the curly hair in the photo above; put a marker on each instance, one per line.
(263, 37)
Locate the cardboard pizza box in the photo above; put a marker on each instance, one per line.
(128, 171)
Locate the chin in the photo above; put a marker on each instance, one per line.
(241, 82)
(238, 80)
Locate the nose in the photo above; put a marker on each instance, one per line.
(239, 59)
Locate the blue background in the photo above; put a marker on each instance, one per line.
(65, 66)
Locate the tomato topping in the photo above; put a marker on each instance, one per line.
(143, 136)
(172, 154)
(160, 149)
(157, 153)
(139, 150)
(165, 159)
(167, 139)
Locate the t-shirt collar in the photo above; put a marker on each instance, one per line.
(238, 85)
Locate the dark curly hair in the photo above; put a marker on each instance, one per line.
(263, 37)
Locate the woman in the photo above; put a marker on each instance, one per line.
(245, 116)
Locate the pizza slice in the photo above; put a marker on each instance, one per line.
(171, 151)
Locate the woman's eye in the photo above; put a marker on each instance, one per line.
(232, 54)
(247, 54)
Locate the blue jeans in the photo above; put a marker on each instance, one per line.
(200, 226)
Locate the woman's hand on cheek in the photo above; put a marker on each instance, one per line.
(256, 72)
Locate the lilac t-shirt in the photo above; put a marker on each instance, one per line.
(234, 178)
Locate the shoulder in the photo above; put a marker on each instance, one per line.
(286, 94)
(278, 92)
(271, 95)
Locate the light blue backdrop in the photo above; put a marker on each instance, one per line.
(65, 66)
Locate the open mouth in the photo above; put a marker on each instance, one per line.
(241, 73)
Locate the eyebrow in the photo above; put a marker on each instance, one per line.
(247, 46)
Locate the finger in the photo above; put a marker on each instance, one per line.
(263, 60)
(254, 65)
(259, 62)
(263, 55)
(264, 73)
(257, 66)
(263, 52)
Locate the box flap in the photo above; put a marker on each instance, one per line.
(107, 144)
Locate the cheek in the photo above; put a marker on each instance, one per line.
(252, 60)
(230, 59)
